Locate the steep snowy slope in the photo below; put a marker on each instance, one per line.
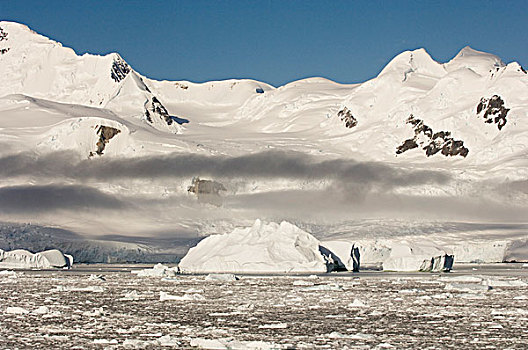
(421, 141)
(36, 66)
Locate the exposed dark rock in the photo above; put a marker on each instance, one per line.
(259, 91)
(120, 69)
(494, 110)
(105, 134)
(407, 145)
(207, 191)
(3, 34)
(523, 70)
(181, 86)
(157, 109)
(440, 141)
(346, 116)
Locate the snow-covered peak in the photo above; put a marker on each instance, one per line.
(34, 65)
(414, 61)
(482, 63)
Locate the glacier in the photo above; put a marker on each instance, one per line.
(90, 146)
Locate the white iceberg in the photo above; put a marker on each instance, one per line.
(262, 248)
(390, 255)
(416, 256)
(23, 259)
(159, 270)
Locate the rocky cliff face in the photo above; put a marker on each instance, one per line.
(106, 133)
(432, 142)
(119, 69)
(3, 37)
(346, 116)
(155, 109)
(493, 111)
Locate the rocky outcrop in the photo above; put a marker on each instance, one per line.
(3, 37)
(181, 86)
(207, 191)
(346, 116)
(106, 133)
(3, 34)
(120, 69)
(432, 142)
(493, 110)
(156, 109)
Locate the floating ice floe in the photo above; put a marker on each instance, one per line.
(15, 310)
(227, 343)
(468, 287)
(23, 259)
(133, 295)
(223, 277)
(93, 289)
(274, 326)
(358, 304)
(159, 270)
(262, 248)
(186, 297)
(505, 282)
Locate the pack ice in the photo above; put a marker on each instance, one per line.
(23, 259)
(261, 248)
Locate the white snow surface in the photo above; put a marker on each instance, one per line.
(261, 248)
(53, 102)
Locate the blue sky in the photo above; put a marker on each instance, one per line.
(275, 41)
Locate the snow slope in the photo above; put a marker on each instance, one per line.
(423, 140)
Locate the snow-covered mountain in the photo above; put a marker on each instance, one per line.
(422, 140)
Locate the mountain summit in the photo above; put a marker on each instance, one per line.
(415, 109)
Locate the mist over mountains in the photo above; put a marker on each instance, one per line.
(89, 145)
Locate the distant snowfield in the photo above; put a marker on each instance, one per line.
(426, 150)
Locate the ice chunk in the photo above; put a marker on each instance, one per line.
(159, 270)
(468, 287)
(41, 310)
(15, 310)
(505, 282)
(23, 259)
(262, 248)
(186, 297)
(357, 304)
(274, 326)
(224, 277)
